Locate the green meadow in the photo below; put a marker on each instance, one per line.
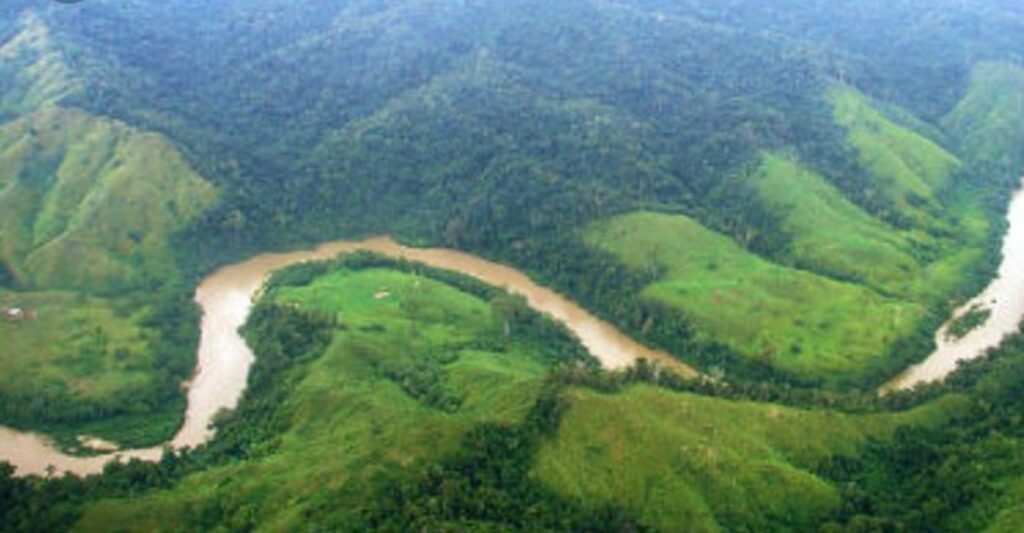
(77, 346)
(674, 460)
(829, 233)
(909, 169)
(792, 319)
(355, 413)
(684, 461)
(87, 210)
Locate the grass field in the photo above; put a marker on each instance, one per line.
(793, 319)
(87, 208)
(831, 234)
(79, 361)
(676, 460)
(347, 421)
(78, 344)
(89, 204)
(687, 462)
(910, 169)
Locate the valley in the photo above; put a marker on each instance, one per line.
(603, 265)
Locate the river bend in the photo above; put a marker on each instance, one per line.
(223, 359)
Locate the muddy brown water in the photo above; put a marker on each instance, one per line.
(1004, 297)
(226, 297)
(223, 358)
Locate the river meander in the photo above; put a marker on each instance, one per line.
(226, 298)
(223, 360)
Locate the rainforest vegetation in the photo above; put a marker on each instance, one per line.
(789, 196)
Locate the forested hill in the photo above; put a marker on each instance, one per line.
(789, 195)
(689, 170)
(588, 107)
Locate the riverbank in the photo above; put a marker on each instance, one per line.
(226, 298)
(223, 359)
(1002, 299)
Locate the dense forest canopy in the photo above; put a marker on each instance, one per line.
(693, 89)
(790, 196)
(515, 128)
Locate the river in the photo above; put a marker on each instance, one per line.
(223, 359)
(226, 298)
(1004, 297)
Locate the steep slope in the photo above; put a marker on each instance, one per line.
(830, 234)
(989, 121)
(89, 204)
(33, 70)
(683, 461)
(807, 325)
(910, 170)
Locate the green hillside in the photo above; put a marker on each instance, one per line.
(988, 121)
(507, 144)
(33, 69)
(829, 233)
(846, 284)
(87, 210)
(681, 461)
(809, 325)
(910, 170)
(354, 418)
(89, 204)
(403, 379)
(791, 196)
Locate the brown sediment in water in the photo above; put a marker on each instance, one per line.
(1004, 297)
(223, 359)
(226, 298)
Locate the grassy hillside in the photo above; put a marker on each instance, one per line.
(826, 228)
(87, 210)
(829, 233)
(832, 236)
(854, 274)
(405, 377)
(358, 416)
(89, 204)
(682, 461)
(33, 69)
(809, 325)
(989, 121)
(910, 169)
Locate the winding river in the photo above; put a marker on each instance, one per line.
(226, 297)
(1004, 297)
